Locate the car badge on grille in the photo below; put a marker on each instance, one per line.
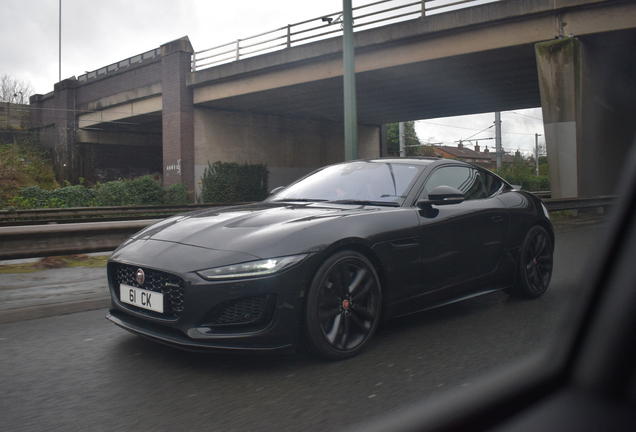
(141, 277)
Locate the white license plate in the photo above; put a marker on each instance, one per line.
(141, 298)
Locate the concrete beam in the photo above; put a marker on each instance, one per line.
(381, 57)
(152, 105)
(122, 98)
(440, 36)
(118, 138)
(427, 27)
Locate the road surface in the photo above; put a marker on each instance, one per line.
(80, 372)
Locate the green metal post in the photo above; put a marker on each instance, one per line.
(350, 111)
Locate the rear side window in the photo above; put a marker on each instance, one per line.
(475, 184)
(492, 183)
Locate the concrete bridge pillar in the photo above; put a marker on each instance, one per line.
(56, 121)
(587, 111)
(177, 114)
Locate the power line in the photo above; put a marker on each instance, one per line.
(450, 126)
(479, 132)
(524, 115)
(474, 129)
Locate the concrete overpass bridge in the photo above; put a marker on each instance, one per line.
(574, 58)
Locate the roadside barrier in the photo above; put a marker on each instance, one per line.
(64, 237)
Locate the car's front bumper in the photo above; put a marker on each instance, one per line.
(259, 314)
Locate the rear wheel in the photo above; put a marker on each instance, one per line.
(343, 305)
(535, 265)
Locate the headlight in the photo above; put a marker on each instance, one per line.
(251, 269)
(545, 211)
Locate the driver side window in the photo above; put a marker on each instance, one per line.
(470, 181)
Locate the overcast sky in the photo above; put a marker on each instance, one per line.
(99, 33)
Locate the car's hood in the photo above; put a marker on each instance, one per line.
(248, 229)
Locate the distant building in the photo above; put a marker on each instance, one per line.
(463, 153)
(467, 155)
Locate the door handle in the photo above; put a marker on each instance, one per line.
(497, 218)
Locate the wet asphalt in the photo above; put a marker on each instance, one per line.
(77, 371)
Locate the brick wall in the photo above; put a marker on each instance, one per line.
(125, 79)
(178, 115)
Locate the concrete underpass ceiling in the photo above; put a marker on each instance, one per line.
(496, 80)
(140, 130)
(145, 123)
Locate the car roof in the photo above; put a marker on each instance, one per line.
(427, 161)
(405, 160)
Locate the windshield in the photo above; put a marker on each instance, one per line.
(377, 182)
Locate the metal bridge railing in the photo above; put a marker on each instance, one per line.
(375, 14)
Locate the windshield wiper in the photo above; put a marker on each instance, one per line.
(367, 202)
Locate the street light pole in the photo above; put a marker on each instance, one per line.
(60, 50)
(499, 150)
(536, 151)
(401, 139)
(350, 111)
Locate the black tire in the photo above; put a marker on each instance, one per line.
(343, 306)
(535, 265)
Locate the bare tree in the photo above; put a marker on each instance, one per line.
(14, 91)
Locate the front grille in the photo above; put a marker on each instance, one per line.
(171, 286)
(248, 311)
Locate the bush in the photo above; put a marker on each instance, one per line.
(113, 193)
(522, 174)
(74, 196)
(32, 197)
(177, 194)
(224, 182)
(145, 190)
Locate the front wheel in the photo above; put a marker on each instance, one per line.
(343, 305)
(535, 264)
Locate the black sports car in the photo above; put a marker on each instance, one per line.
(321, 262)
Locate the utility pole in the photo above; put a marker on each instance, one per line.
(350, 111)
(536, 151)
(402, 143)
(60, 51)
(498, 138)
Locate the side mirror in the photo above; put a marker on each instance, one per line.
(442, 195)
(276, 190)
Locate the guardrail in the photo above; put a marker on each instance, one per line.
(65, 239)
(371, 15)
(542, 194)
(562, 204)
(82, 214)
(74, 238)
